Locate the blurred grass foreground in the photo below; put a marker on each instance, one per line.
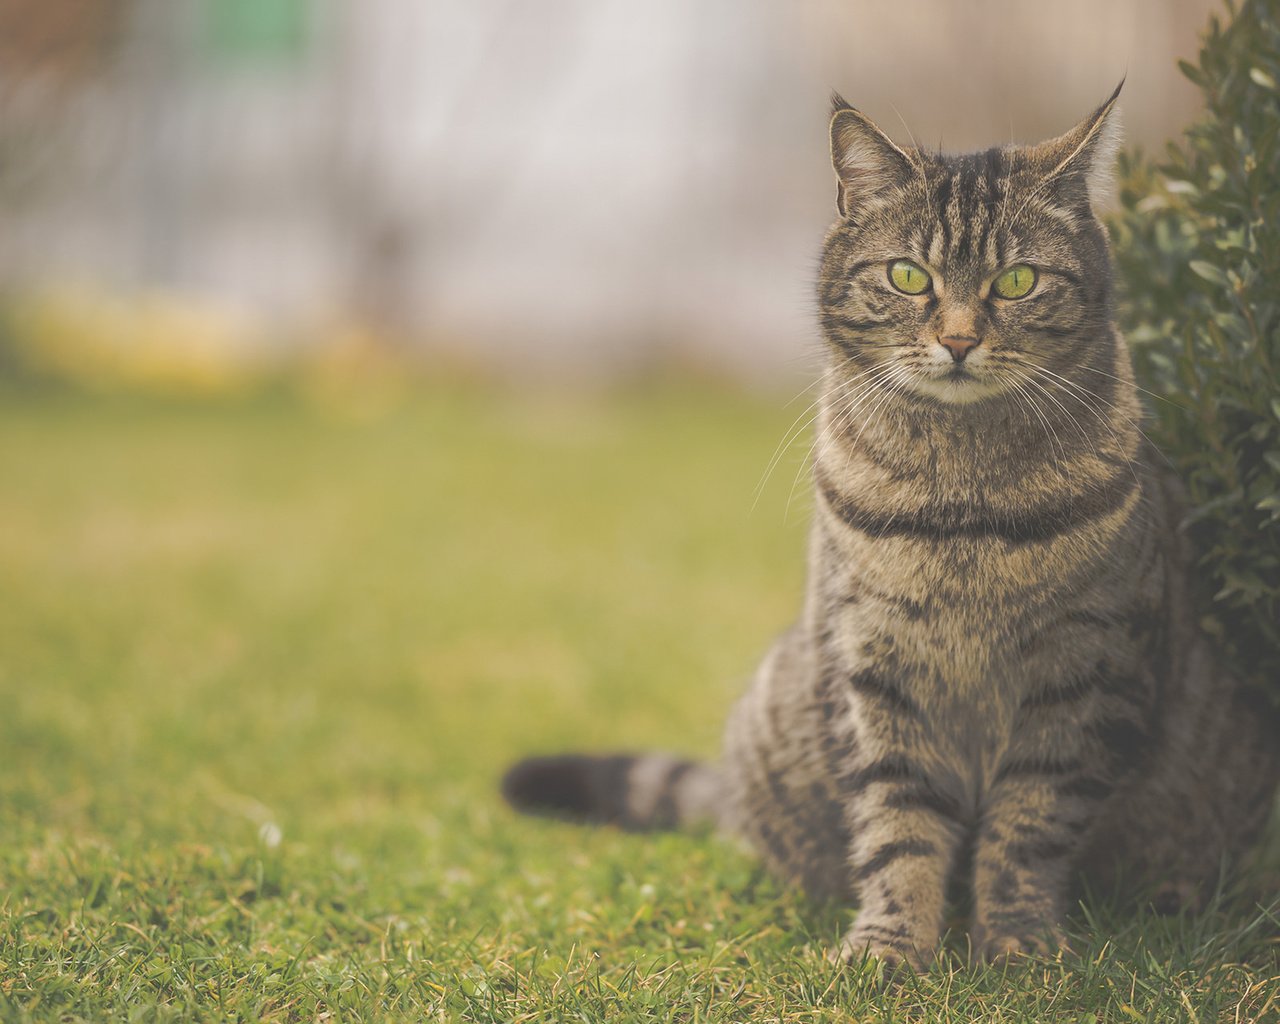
(263, 663)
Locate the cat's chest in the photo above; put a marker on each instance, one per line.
(943, 632)
(952, 617)
(973, 583)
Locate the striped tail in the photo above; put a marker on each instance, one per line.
(633, 791)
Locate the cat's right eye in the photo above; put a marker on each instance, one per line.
(909, 278)
(1016, 282)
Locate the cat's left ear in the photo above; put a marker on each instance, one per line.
(866, 162)
(1085, 157)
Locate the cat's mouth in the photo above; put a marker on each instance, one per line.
(958, 385)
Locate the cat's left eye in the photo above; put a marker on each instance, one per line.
(909, 278)
(1016, 282)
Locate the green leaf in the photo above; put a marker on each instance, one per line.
(1210, 272)
(1262, 78)
(1193, 73)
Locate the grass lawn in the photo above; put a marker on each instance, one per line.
(261, 666)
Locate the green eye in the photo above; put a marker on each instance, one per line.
(908, 277)
(1016, 282)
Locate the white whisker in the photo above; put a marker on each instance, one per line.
(1085, 396)
(1097, 413)
(852, 398)
(1026, 396)
(1129, 383)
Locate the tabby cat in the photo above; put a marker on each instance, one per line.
(997, 671)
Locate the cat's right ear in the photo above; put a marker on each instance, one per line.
(866, 162)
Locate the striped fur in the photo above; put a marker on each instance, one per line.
(633, 791)
(997, 668)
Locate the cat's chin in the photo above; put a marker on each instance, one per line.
(953, 390)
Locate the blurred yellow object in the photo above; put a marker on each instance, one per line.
(354, 371)
(161, 343)
(174, 345)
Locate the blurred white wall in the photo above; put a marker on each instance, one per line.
(572, 187)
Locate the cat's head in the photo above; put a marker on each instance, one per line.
(958, 278)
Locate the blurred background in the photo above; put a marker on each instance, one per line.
(569, 190)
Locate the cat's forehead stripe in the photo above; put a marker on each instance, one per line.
(966, 212)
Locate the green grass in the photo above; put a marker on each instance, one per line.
(261, 666)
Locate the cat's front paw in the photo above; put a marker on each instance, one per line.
(1176, 896)
(892, 947)
(1002, 946)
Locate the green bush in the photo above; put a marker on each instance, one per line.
(1198, 248)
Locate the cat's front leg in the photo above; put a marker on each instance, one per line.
(1077, 741)
(905, 833)
(1032, 831)
(1023, 853)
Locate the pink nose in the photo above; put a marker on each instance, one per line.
(959, 346)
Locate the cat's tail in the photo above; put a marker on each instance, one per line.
(632, 791)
